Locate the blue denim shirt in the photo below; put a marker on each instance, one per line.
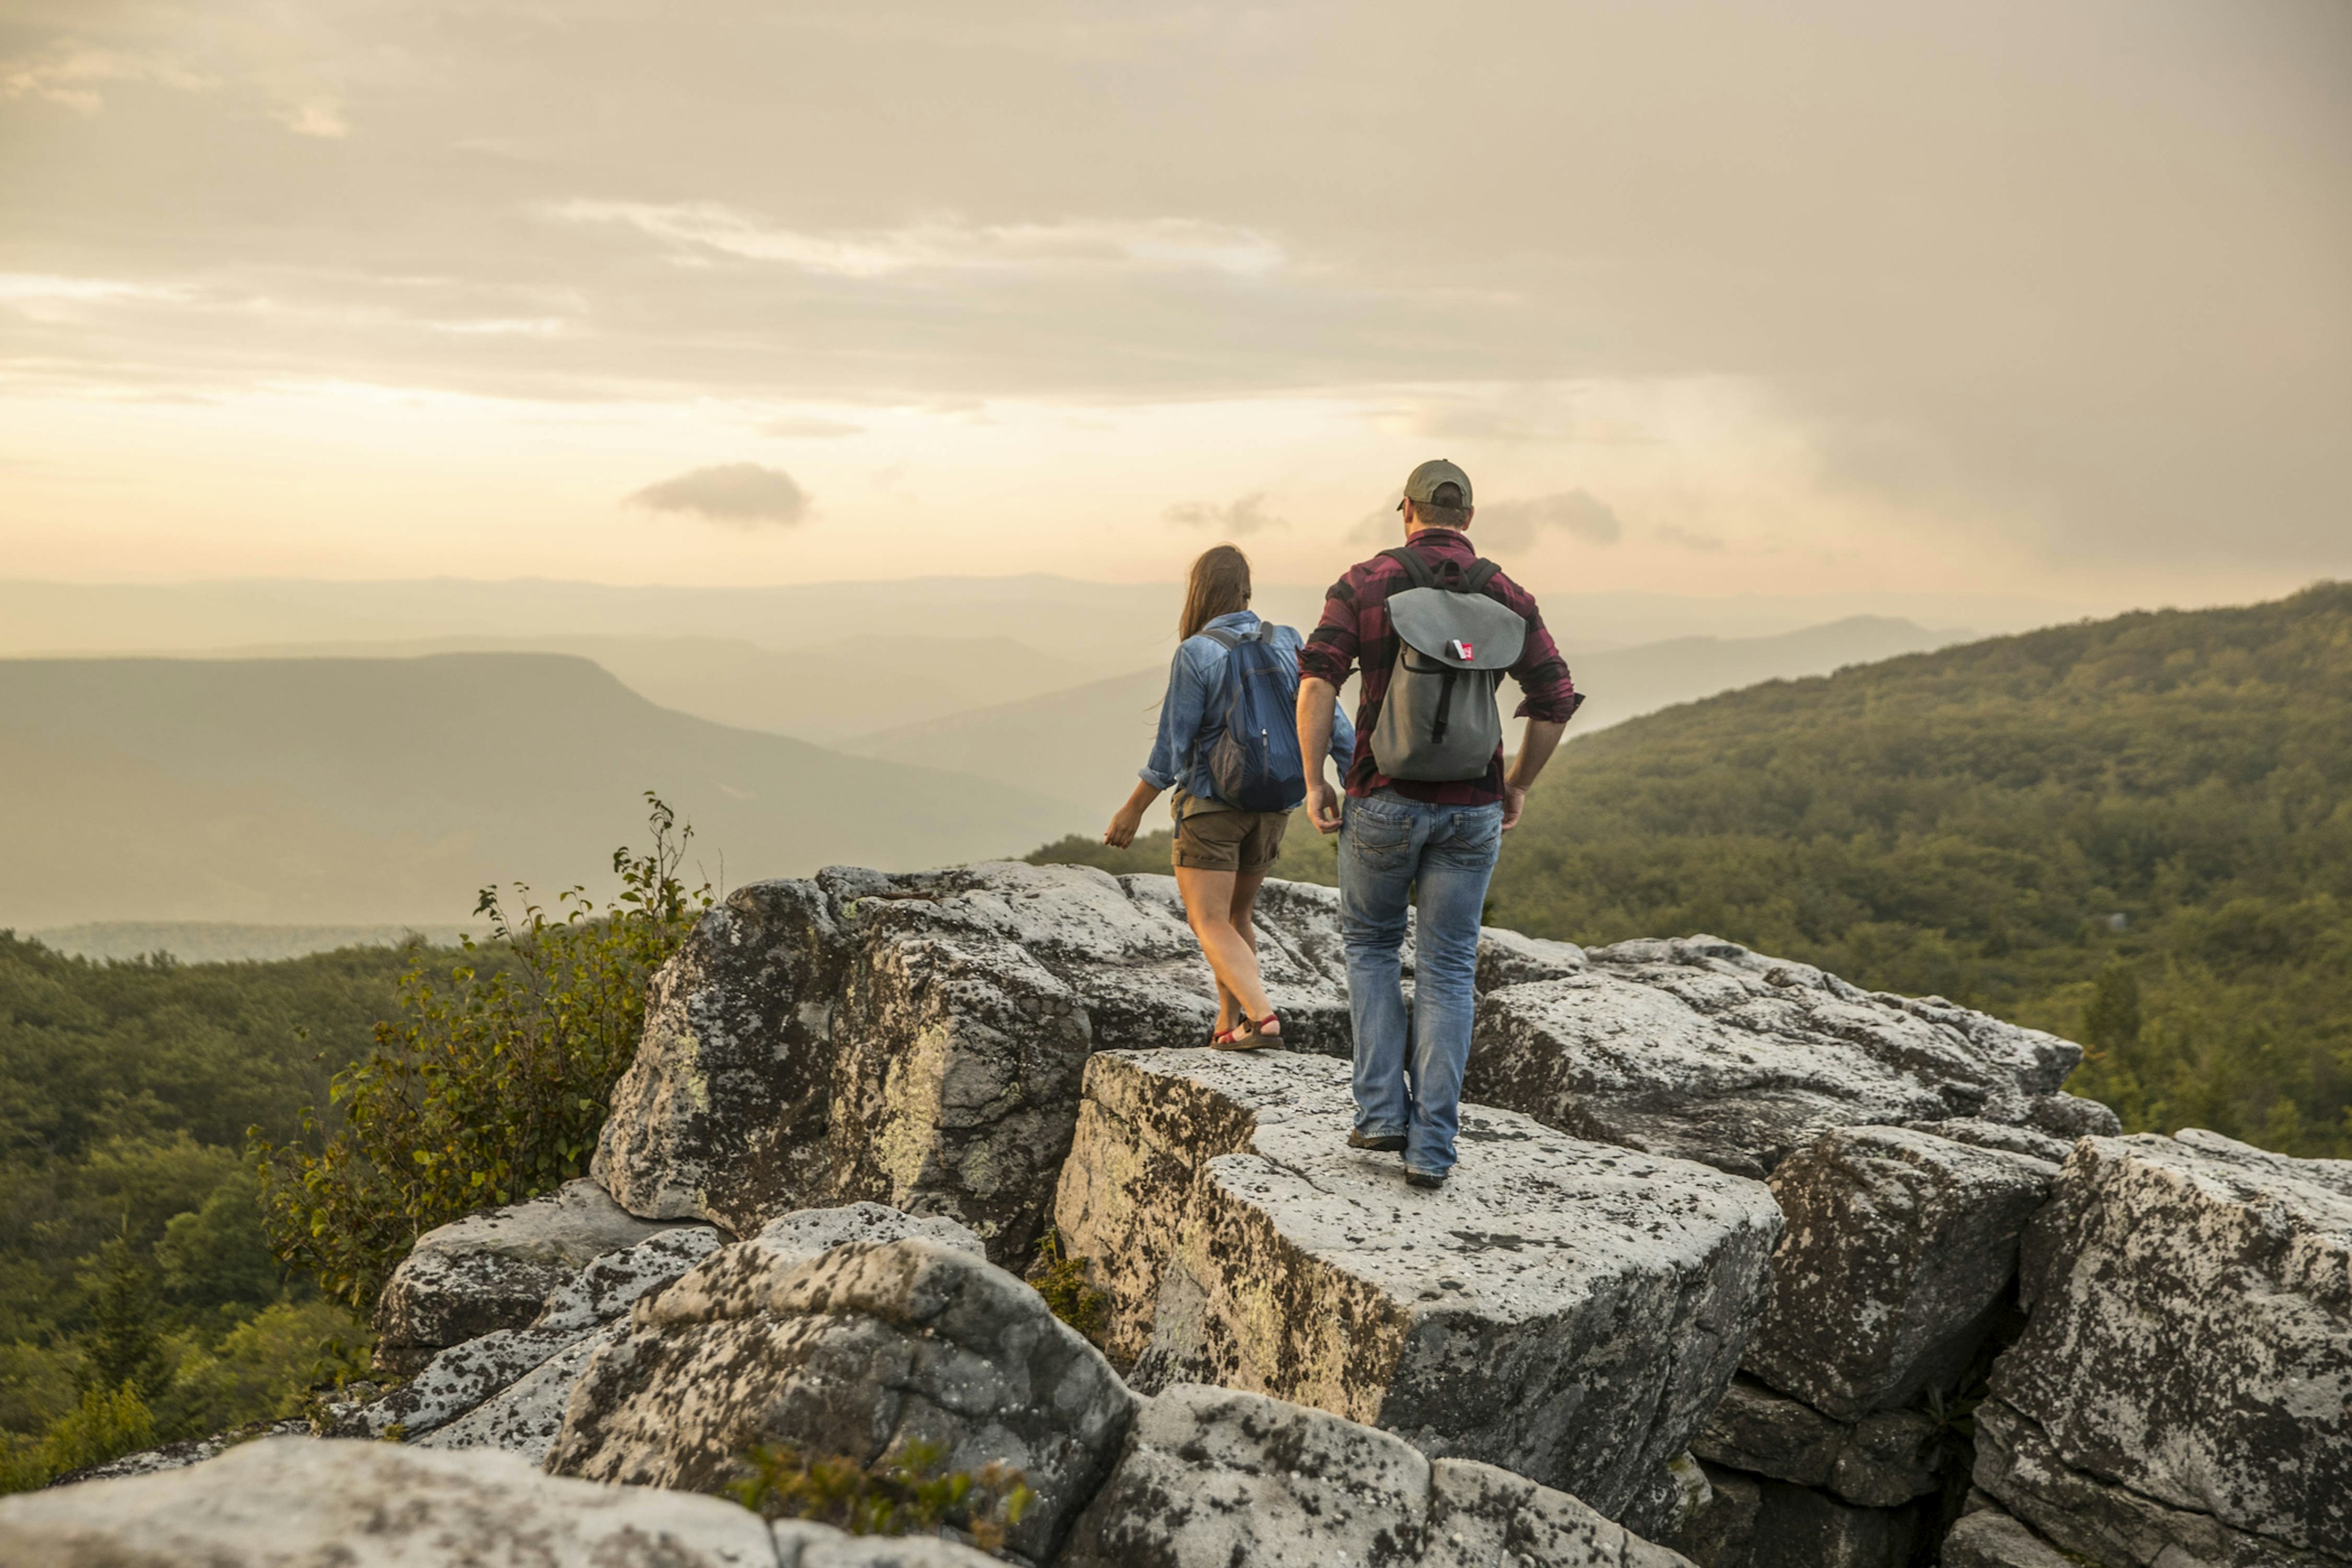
(1191, 714)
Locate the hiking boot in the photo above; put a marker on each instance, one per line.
(1413, 1178)
(1378, 1143)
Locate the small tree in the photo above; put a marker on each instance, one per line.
(492, 1086)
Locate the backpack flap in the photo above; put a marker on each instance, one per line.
(1467, 631)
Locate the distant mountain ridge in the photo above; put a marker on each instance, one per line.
(367, 790)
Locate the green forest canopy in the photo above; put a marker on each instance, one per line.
(2134, 832)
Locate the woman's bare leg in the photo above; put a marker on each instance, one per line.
(1233, 957)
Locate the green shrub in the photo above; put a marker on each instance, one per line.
(907, 1494)
(1067, 1285)
(492, 1086)
(106, 1424)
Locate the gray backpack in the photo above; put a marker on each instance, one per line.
(1440, 722)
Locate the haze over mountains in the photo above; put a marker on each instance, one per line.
(311, 778)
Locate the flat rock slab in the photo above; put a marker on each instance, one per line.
(918, 1040)
(494, 1269)
(297, 1502)
(1210, 1478)
(1882, 1461)
(2190, 1341)
(1899, 1254)
(1990, 1538)
(1571, 1312)
(1704, 1051)
(859, 1353)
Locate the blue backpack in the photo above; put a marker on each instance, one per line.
(1254, 763)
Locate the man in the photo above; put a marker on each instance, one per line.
(1404, 838)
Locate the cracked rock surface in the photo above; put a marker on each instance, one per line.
(858, 1353)
(1700, 1048)
(493, 1270)
(1210, 1478)
(1882, 1461)
(918, 1040)
(288, 1501)
(1900, 1250)
(2185, 1374)
(1571, 1312)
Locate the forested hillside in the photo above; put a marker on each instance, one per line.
(131, 1238)
(2135, 832)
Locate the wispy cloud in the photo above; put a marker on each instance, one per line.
(1686, 538)
(943, 244)
(807, 427)
(72, 74)
(1515, 524)
(747, 494)
(1246, 515)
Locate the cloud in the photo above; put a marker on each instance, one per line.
(68, 74)
(746, 494)
(1685, 539)
(317, 117)
(1244, 516)
(1515, 524)
(810, 427)
(944, 244)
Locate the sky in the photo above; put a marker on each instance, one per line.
(1712, 299)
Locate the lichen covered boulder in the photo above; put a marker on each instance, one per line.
(292, 1503)
(1884, 1460)
(1900, 1250)
(862, 1352)
(2184, 1380)
(494, 1269)
(1702, 1049)
(1567, 1310)
(918, 1040)
(1210, 1476)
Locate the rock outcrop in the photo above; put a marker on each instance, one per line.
(1702, 1049)
(2183, 1383)
(289, 1502)
(918, 1040)
(1991, 1538)
(1884, 1460)
(494, 1269)
(1209, 1477)
(863, 1353)
(1567, 1310)
(1900, 1249)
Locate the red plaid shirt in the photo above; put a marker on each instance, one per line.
(1355, 630)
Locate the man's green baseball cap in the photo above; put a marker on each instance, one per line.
(1421, 485)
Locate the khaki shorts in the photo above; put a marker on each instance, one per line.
(1229, 840)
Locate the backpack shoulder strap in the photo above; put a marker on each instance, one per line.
(1224, 636)
(1482, 571)
(1414, 567)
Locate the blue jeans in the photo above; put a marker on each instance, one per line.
(1394, 851)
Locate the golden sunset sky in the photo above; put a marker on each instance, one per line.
(1709, 299)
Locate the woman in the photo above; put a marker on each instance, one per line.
(1222, 853)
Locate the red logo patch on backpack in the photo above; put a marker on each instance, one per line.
(1464, 651)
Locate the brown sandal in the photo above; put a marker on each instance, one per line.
(1253, 1034)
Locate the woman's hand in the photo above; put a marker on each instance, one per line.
(1123, 823)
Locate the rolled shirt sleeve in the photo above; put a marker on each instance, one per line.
(1332, 647)
(1549, 695)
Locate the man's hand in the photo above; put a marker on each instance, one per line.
(1123, 823)
(1322, 805)
(1514, 801)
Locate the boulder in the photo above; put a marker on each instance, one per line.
(1900, 1250)
(2111, 1525)
(1884, 1460)
(1754, 1521)
(494, 1269)
(1990, 1538)
(291, 1502)
(2189, 1344)
(918, 1039)
(1211, 1476)
(1567, 1310)
(1702, 1049)
(800, 1544)
(861, 1352)
(516, 1382)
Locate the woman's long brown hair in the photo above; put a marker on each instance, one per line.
(1220, 585)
